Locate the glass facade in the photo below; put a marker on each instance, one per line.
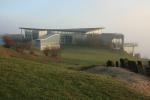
(74, 36)
(117, 43)
(66, 39)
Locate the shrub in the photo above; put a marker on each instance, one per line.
(133, 66)
(149, 64)
(21, 47)
(32, 52)
(117, 64)
(109, 63)
(46, 51)
(53, 52)
(9, 42)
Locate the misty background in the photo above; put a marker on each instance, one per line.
(129, 17)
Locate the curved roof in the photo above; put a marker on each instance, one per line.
(66, 30)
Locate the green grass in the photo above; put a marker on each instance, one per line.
(29, 80)
(89, 56)
(42, 79)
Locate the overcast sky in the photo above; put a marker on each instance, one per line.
(130, 17)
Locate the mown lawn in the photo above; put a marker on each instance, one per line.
(88, 56)
(29, 80)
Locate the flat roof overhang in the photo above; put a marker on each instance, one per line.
(66, 30)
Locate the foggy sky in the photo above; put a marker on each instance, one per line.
(130, 17)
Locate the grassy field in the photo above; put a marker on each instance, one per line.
(89, 56)
(27, 80)
(41, 79)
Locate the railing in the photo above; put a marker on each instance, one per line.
(130, 44)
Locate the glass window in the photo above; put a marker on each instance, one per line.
(117, 43)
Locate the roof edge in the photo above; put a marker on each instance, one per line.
(60, 29)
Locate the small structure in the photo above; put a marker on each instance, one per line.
(130, 48)
(49, 41)
(113, 40)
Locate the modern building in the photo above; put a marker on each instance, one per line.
(43, 38)
(54, 38)
(51, 38)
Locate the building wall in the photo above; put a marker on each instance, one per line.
(115, 41)
(50, 42)
(34, 34)
(78, 37)
(72, 37)
(66, 39)
(28, 34)
(42, 33)
(98, 31)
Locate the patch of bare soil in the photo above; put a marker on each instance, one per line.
(7, 52)
(135, 81)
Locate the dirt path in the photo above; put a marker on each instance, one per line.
(137, 82)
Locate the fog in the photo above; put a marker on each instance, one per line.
(129, 17)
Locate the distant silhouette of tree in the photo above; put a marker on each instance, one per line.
(9, 42)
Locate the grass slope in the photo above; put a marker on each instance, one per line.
(28, 80)
(38, 78)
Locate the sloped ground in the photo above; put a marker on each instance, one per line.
(28, 80)
(26, 55)
(7, 52)
(137, 82)
(33, 79)
(12, 53)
